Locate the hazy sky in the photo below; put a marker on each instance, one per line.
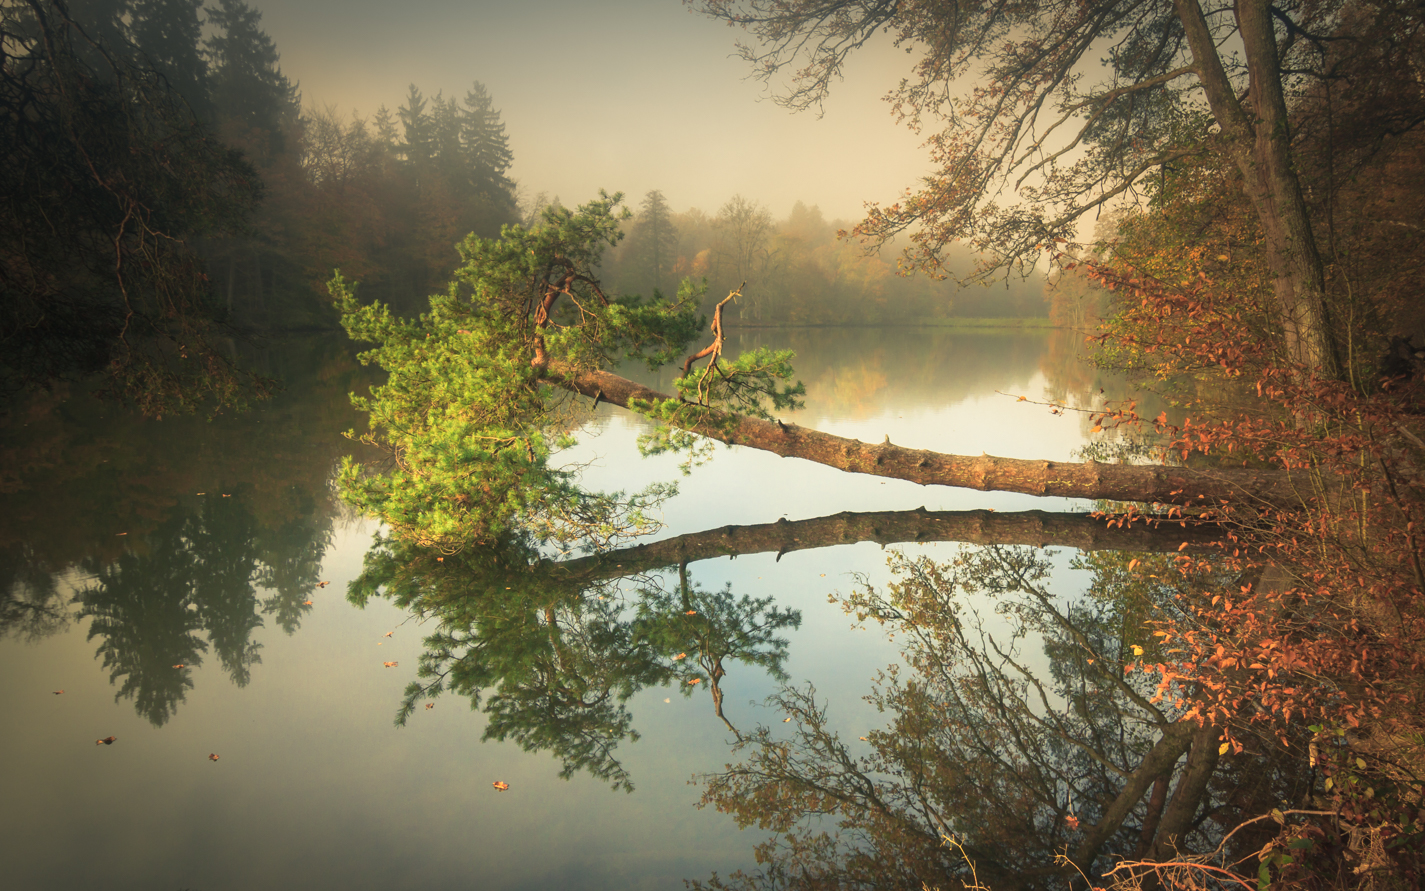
(627, 95)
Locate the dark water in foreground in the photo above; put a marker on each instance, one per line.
(184, 582)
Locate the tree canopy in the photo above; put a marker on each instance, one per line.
(1026, 141)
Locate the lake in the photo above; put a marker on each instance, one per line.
(184, 583)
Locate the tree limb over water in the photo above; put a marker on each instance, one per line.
(478, 404)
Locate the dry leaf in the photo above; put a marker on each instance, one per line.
(212, 757)
(691, 612)
(307, 602)
(862, 738)
(680, 656)
(499, 786)
(390, 664)
(785, 720)
(180, 665)
(696, 681)
(57, 692)
(388, 634)
(323, 584)
(106, 741)
(430, 705)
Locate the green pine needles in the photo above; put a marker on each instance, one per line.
(471, 419)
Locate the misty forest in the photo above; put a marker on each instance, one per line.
(389, 519)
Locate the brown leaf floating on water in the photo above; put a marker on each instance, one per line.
(390, 664)
(213, 757)
(106, 741)
(500, 786)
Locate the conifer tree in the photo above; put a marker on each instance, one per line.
(486, 146)
(653, 243)
(167, 33)
(248, 87)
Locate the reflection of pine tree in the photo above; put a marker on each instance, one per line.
(223, 542)
(30, 602)
(292, 563)
(551, 658)
(143, 613)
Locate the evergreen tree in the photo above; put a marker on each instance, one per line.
(249, 90)
(167, 33)
(108, 179)
(385, 128)
(418, 129)
(487, 148)
(653, 243)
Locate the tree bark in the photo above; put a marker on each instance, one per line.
(1188, 796)
(1160, 760)
(1152, 483)
(1032, 528)
(1260, 147)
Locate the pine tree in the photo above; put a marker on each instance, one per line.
(487, 148)
(418, 142)
(248, 88)
(167, 33)
(653, 243)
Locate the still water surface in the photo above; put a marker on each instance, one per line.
(131, 548)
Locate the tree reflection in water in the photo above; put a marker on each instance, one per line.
(552, 650)
(1023, 749)
(551, 656)
(196, 573)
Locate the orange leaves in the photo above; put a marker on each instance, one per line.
(307, 602)
(691, 612)
(680, 656)
(390, 664)
(213, 757)
(388, 634)
(430, 705)
(323, 584)
(695, 681)
(58, 692)
(180, 665)
(106, 741)
(501, 786)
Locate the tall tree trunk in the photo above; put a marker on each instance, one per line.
(1259, 144)
(1152, 483)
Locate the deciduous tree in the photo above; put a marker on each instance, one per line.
(1033, 124)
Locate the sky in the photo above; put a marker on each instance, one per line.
(624, 95)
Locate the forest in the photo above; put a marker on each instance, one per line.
(1234, 702)
(232, 222)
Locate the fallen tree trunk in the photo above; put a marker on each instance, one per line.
(1151, 483)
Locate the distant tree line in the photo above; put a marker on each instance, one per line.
(799, 270)
(159, 183)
